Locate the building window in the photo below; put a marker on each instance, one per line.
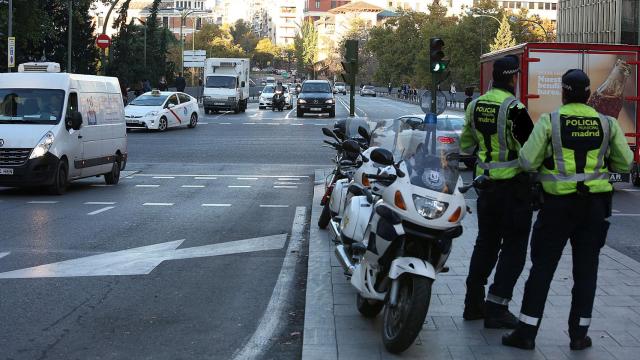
(317, 4)
(100, 21)
(532, 5)
(518, 5)
(165, 21)
(554, 6)
(540, 5)
(199, 23)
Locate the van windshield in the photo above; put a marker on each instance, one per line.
(221, 82)
(31, 106)
(149, 100)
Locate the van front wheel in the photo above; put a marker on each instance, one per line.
(113, 177)
(60, 180)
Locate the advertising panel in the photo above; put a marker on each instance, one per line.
(545, 79)
(613, 80)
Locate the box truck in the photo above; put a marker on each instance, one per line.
(226, 85)
(615, 83)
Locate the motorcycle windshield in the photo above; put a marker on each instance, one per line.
(430, 155)
(352, 126)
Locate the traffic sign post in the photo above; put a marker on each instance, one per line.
(11, 60)
(194, 58)
(103, 41)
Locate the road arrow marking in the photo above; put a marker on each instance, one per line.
(3, 254)
(142, 260)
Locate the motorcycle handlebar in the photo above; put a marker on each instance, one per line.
(382, 177)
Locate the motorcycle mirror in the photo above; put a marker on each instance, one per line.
(364, 133)
(339, 133)
(351, 146)
(382, 156)
(329, 133)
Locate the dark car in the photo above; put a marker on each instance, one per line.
(316, 96)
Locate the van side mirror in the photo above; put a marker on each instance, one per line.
(364, 133)
(74, 121)
(171, 105)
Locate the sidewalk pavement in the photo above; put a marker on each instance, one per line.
(334, 329)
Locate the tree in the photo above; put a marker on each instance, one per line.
(306, 47)
(504, 37)
(264, 52)
(243, 36)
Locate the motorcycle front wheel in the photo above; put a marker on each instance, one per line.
(402, 323)
(325, 216)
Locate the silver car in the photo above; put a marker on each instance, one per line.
(368, 90)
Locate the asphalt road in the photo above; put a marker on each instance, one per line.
(199, 293)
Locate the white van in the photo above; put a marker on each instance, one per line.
(57, 127)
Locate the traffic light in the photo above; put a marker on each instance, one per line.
(350, 63)
(437, 64)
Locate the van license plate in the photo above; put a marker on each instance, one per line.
(219, 104)
(316, 109)
(6, 171)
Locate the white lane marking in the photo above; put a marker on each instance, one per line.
(201, 123)
(216, 205)
(222, 114)
(254, 115)
(626, 215)
(320, 124)
(192, 186)
(101, 210)
(288, 179)
(157, 204)
(237, 175)
(247, 178)
(3, 254)
(249, 123)
(274, 206)
(239, 186)
(615, 211)
(142, 260)
(289, 113)
(100, 203)
(270, 323)
(285, 183)
(296, 124)
(284, 187)
(42, 202)
(205, 178)
(147, 186)
(101, 185)
(164, 177)
(630, 190)
(224, 123)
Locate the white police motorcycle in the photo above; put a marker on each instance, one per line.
(396, 236)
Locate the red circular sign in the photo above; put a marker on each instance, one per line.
(103, 41)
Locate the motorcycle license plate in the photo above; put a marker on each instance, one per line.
(6, 171)
(316, 109)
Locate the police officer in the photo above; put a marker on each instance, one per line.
(498, 124)
(572, 149)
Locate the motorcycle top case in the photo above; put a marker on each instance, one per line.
(356, 218)
(338, 196)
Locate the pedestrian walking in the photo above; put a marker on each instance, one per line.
(146, 85)
(468, 92)
(452, 93)
(163, 86)
(415, 94)
(573, 149)
(504, 211)
(389, 87)
(181, 83)
(138, 88)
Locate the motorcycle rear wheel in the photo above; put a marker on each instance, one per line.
(402, 323)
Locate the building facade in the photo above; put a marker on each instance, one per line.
(285, 20)
(605, 21)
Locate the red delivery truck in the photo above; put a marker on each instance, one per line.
(615, 83)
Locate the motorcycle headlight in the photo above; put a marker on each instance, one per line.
(330, 101)
(43, 146)
(302, 101)
(152, 113)
(429, 208)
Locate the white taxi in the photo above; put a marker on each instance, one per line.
(160, 110)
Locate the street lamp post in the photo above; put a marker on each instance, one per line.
(514, 19)
(481, 16)
(69, 48)
(184, 13)
(10, 30)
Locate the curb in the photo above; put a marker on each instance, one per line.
(319, 340)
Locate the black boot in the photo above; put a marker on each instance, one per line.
(474, 306)
(474, 311)
(518, 340)
(499, 317)
(580, 344)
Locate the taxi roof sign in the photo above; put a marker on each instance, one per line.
(155, 92)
